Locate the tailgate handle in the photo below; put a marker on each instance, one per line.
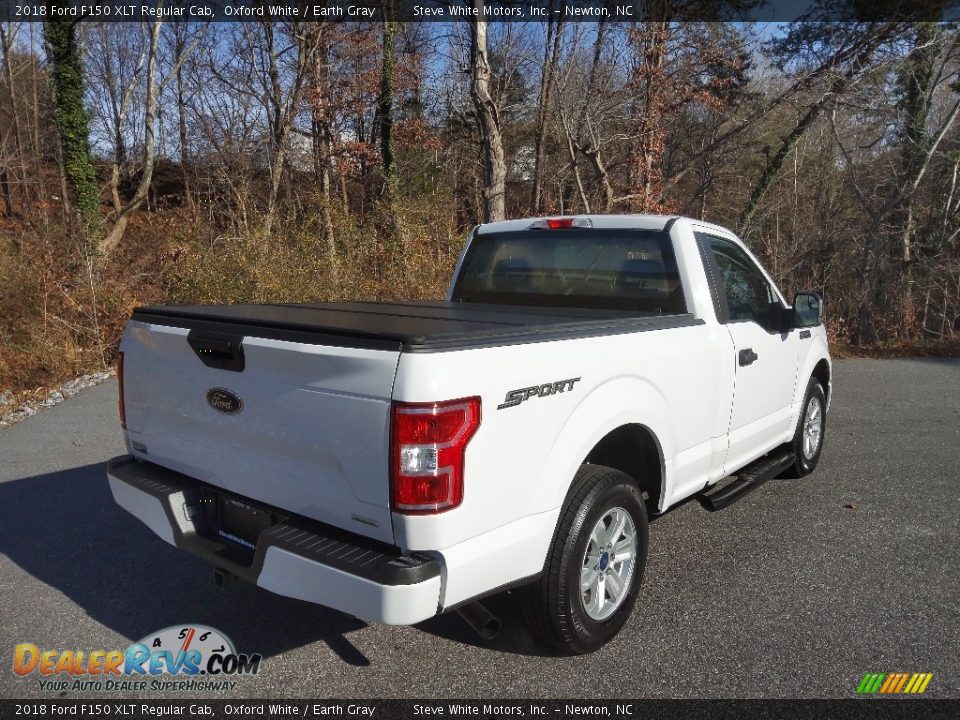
(224, 352)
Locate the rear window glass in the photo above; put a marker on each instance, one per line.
(617, 269)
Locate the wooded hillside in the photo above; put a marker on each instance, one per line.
(292, 161)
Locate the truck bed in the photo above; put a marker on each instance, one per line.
(409, 326)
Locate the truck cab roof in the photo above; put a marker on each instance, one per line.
(603, 221)
(597, 221)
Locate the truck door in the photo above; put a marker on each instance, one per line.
(765, 357)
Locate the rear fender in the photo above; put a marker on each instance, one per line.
(619, 401)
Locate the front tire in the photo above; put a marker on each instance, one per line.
(807, 443)
(594, 566)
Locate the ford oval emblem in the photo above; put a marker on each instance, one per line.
(223, 400)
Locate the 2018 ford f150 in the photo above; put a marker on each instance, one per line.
(399, 460)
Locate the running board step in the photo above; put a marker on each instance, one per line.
(750, 477)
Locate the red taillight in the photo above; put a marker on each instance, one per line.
(428, 441)
(123, 409)
(558, 223)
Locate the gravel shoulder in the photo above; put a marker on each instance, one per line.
(14, 409)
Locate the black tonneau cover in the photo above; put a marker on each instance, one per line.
(411, 326)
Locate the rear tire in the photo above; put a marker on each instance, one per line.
(807, 443)
(594, 566)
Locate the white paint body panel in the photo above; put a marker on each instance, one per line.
(313, 438)
(302, 441)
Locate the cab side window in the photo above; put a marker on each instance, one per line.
(748, 294)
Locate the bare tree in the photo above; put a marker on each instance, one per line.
(180, 45)
(7, 38)
(863, 48)
(488, 117)
(283, 92)
(116, 232)
(116, 67)
(551, 56)
(153, 87)
(319, 91)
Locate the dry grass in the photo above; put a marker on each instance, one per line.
(60, 319)
(933, 348)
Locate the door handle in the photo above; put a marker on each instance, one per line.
(804, 334)
(747, 357)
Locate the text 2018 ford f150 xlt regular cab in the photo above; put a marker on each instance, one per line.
(398, 460)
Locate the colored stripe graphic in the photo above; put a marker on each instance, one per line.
(894, 683)
(888, 683)
(901, 680)
(870, 683)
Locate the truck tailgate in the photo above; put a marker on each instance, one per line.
(303, 427)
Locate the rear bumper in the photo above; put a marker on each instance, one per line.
(292, 556)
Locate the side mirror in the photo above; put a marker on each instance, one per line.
(807, 309)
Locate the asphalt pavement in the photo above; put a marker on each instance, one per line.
(795, 591)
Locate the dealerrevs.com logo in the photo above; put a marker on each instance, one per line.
(181, 657)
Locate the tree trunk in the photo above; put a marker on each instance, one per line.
(5, 191)
(38, 159)
(592, 150)
(385, 102)
(488, 118)
(283, 106)
(119, 106)
(113, 238)
(321, 170)
(322, 137)
(180, 48)
(278, 137)
(396, 237)
(551, 53)
(117, 114)
(79, 172)
(6, 42)
(646, 168)
(572, 153)
(864, 330)
(916, 77)
(600, 171)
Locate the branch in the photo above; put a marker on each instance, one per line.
(911, 187)
(113, 238)
(180, 60)
(853, 173)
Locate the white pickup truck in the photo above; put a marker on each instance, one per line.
(399, 460)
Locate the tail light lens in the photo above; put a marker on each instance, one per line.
(561, 223)
(428, 441)
(123, 409)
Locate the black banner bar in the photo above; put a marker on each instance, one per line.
(319, 709)
(589, 11)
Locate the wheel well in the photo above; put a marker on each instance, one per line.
(634, 450)
(822, 373)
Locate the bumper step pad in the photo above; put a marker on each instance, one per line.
(184, 501)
